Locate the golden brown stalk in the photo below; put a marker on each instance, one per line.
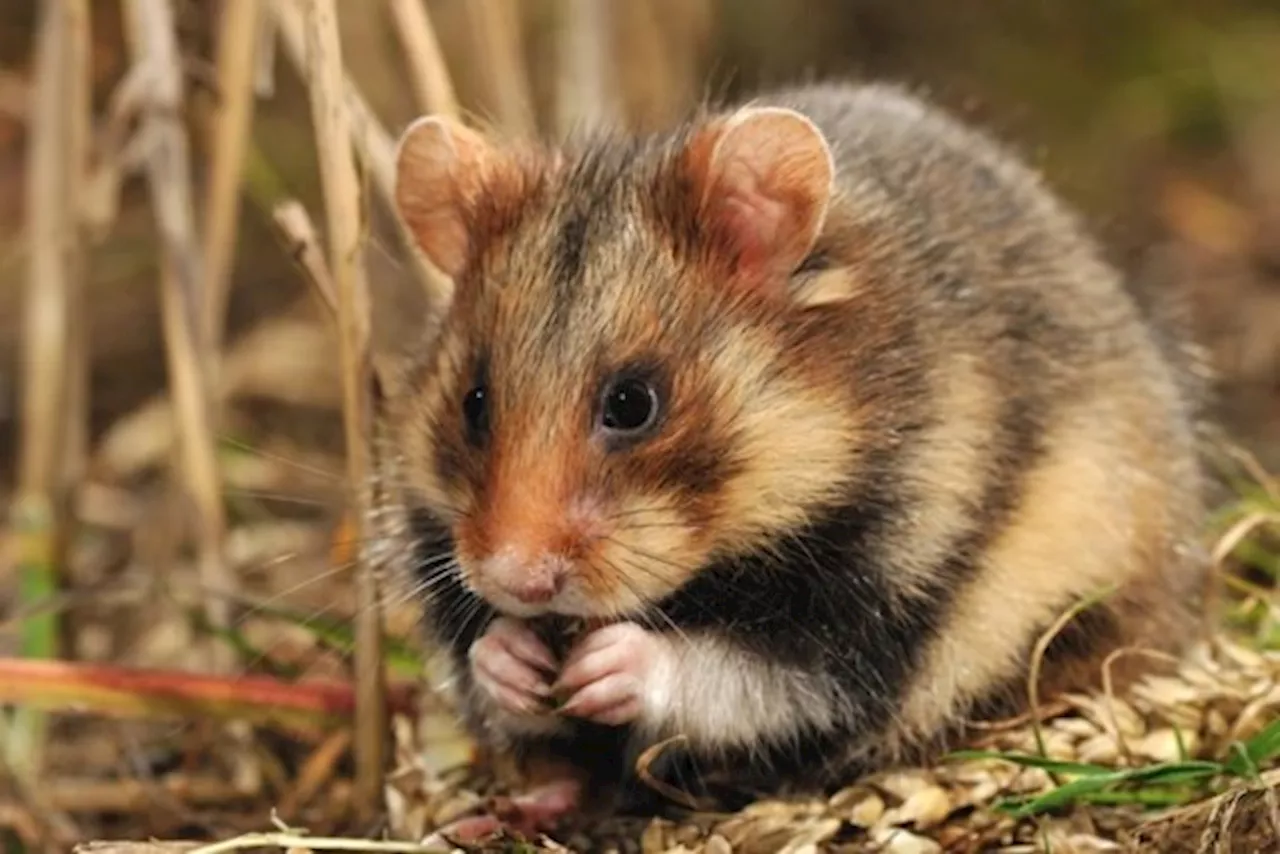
(494, 26)
(428, 72)
(341, 190)
(48, 226)
(237, 48)
(373, 144)
(585, 92)
(150, 27)
(78, 92)
(39, 510)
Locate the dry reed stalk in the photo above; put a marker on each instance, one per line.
(39, 512)
(237, 50)
(494, 26)
(373, 144)
(151, 36)
(78, 92)
(428, 72)
(586, 85)
(341, 190)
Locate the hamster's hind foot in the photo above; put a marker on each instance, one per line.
(535, 811)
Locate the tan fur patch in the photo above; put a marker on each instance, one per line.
(651, 552)
(945, 468)
(795, 440)
(1092, 495)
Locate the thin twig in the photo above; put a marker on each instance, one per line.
(237, 48)
(1109, 690)
(373, 144)
(428, 72)
(341, 191)
(1038, 653)
(302, 842)
(295, 226)
(154, 44)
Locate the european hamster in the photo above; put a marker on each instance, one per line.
(809, 416)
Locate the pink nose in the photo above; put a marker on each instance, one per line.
(537, 588)
(531, 581)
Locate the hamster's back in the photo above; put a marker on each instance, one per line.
(1058, 419)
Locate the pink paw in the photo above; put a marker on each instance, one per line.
(611, 673)
(512, 666)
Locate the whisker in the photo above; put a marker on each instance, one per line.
(649, 609)
(268, 455)
(237, 492)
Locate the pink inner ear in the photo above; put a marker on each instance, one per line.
(756, 223)
(770, 182)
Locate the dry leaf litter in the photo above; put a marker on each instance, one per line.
(1222, 692)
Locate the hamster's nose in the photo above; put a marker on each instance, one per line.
(538, 588)
(531, 580)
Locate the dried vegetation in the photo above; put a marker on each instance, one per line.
(194, 647)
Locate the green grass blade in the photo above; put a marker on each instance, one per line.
(1031, 760)
(1150, 784)
(1246, 758)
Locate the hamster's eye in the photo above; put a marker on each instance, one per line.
(475, 411)
(630, 406)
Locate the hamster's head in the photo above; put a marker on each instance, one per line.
(626, 388)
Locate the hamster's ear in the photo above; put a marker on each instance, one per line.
(441, 167)
(765, 185)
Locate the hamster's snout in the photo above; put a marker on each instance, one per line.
(531, 579)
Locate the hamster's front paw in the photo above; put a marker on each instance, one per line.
(615, 674)
(512, 666)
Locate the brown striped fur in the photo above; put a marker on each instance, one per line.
(943, 423)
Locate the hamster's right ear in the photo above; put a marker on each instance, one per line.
(441, 167)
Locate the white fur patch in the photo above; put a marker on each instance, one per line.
(719, 696)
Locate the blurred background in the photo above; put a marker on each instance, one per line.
(1158, 119)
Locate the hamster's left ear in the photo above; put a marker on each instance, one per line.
(764, 178)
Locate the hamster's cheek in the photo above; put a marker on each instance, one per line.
(651, 551)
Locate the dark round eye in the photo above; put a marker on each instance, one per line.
(630, 406)
(475, 409)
